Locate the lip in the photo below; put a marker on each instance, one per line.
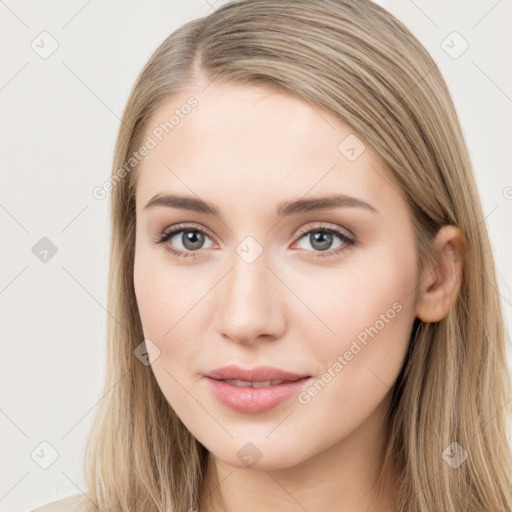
(258, 373)
(254, 400)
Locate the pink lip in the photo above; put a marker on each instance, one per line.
(254, 400)
(258, 373)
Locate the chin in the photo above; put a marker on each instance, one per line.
(259, 456)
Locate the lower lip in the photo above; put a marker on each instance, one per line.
(254, 400)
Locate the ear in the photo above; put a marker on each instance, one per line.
(441, 281)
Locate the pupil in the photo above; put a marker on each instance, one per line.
(321, 240)
(192, 240)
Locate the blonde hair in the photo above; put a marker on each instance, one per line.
(354, 60)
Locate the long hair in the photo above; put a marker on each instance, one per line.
(354, 60)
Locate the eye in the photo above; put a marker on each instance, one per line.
(191, 239)
(321, 238)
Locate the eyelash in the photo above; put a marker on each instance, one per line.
(168, 233)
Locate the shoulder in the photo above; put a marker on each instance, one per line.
(75, 503)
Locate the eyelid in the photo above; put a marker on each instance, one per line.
(176, 228)
(191, 225)
(325, 225)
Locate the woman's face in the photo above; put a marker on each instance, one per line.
(303, 260)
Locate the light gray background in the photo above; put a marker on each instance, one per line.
(59, 119)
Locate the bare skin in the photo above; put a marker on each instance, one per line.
(245, 150)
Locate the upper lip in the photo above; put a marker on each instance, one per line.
(256, 374)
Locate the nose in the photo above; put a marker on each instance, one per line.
(251, 303)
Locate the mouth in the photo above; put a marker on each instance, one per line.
(258, 376)
(251, 395)
(255, 384)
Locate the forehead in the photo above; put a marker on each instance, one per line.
(239, 142)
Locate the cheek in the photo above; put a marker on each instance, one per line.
(163, 296)
(372, 317)
(169, 306)
(373, 296)
(151, 295)
(167, 317)
(371, 311)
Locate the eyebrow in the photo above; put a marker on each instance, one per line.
(284, 209)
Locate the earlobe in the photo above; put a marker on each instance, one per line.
(441, 281)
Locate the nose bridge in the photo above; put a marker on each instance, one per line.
(249, 302)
